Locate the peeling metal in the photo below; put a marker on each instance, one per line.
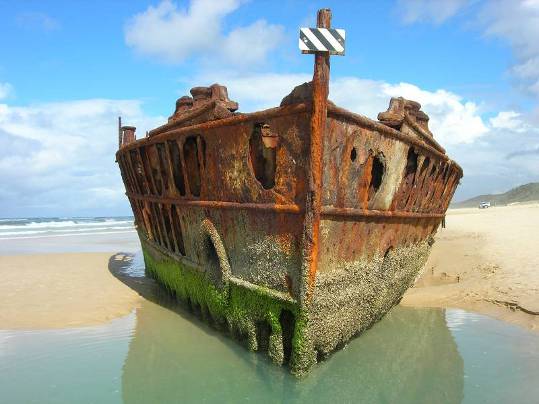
(341, 229)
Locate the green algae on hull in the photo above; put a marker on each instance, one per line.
(297, 227)
(253, 313)
(345, 304)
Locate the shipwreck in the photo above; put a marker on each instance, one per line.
(294, 228)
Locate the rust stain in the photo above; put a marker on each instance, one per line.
(312, 189)
(307, 185)
(313, 204)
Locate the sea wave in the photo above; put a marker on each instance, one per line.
(61, 224)
(68, 235)
(35, 227)
(72, 231)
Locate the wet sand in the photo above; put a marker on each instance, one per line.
(41, 291)
(487, 261)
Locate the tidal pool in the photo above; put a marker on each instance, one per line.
(160, 353)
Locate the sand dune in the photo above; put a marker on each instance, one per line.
(486, 260)
(61, 290)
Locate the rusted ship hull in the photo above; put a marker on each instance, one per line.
(222, 211)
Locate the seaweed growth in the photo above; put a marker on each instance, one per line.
(250, 314)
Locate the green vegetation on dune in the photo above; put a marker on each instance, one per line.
(524, 193)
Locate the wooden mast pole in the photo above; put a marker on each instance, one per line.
(318, 127)
(119, 132)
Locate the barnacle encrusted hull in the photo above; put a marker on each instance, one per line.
(223, 205)
(344, 303)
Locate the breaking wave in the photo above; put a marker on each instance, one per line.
(57, 227)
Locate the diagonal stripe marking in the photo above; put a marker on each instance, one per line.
(334, 43)
(302, 45)
(322, 39)
(305, 44)
(338, 34)
(310, 36)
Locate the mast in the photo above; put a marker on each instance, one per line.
(119, 132)
(320, 86)
(323, 41)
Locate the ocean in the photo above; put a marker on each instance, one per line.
(34, 235)
(34, 228)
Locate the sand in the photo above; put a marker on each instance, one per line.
(485, 260)
(61, 290)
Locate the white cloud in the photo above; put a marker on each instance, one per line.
(509, 120)
(412, 11)
(172, 35)
(517, 22)
(255, 91)
(453, 120)
(251, 44)
(496, 154)
(505, 151)
(58, 158)
(514, 21)
(5, 90)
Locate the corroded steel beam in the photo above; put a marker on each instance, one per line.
(350, 212)
(171, 131)
(278, 208)
(422, 133)
(325, 211)
(313, 200)
(387, 131)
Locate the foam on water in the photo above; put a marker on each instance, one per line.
(24, 228)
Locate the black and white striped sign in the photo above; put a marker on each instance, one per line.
(312, 40)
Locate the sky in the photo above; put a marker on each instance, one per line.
(68, 69)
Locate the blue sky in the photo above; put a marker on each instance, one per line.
(69, 68)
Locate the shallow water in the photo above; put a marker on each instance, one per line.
(161, 353)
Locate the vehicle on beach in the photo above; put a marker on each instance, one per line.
(484, 205)
(293, 228)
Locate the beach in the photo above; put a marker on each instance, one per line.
(486, 261)
(56, 272)
(43, 291)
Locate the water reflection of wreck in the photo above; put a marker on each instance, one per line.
(296, 227)
(409, 357)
